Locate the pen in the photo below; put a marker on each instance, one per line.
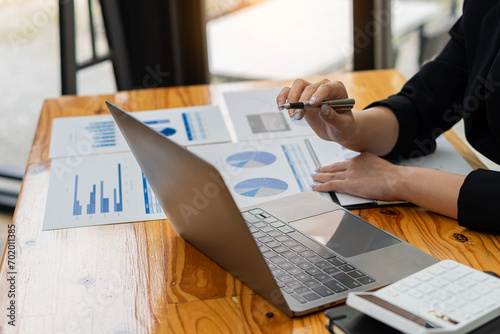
(343, 104)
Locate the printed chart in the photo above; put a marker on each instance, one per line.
(255, 115)
(251, 159)
(97, 190)
(88, 135)
(260, 171)
(261, 187)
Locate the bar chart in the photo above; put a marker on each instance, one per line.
(102, 189)
(102, 133)
(103, 202)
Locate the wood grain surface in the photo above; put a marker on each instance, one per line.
(143, 278)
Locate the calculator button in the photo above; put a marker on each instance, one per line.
(436, 271)
(411, 282)
(456, 274)
(474, 309)
(488, 303)
(467, 283)
(438, 282)
(423, 276)
(482, 289)
(426, 289)
(391, 292)
(400, 287)
(495, 295)
(469, 295)
(448, 264)
(457, 301)
(493, 283)
(415, 294)
(479, 277)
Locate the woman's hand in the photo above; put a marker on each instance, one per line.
(365, 175)
(369, 176)
(325, 121)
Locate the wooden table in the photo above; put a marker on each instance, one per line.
(142, 277)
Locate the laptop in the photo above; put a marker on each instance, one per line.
(302, 253)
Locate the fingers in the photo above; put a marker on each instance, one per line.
(283, 96)
(328, 91)
(314, 93)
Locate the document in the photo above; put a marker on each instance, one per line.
(260, 171)
(87, 135)
(255, 116)
(98, 189)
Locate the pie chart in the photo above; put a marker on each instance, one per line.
(159, 125)
(261, 187)
(168, 131)
(251, 159)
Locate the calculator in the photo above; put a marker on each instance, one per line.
(447, 297)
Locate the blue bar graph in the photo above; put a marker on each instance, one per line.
(77, 208)
(298, 164)
(119, 204)
(158, 121)
(103, 133)
(151, 203)
(187, 126)
(104, 201)
(91, 205)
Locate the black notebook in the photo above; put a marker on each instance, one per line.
(346, 320)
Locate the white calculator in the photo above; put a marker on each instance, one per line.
(447, 297)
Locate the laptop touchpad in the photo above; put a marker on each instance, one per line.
(344, 233)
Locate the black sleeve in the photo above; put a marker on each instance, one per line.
(479, 200)
(429, 103)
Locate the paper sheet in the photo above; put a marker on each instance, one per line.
(261, 171)
(255, 116)
(97, 190)
(87, 135)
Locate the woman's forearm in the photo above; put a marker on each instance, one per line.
(431, 189)
(377, 131)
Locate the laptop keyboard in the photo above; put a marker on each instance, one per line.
(303, 269)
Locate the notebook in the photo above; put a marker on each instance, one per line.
(302, 253)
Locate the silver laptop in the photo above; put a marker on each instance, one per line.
(302, 253)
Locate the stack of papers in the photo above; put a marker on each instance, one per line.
(95, 179)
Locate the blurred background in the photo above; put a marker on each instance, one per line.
(233, 40)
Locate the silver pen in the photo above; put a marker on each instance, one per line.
(343, 104)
